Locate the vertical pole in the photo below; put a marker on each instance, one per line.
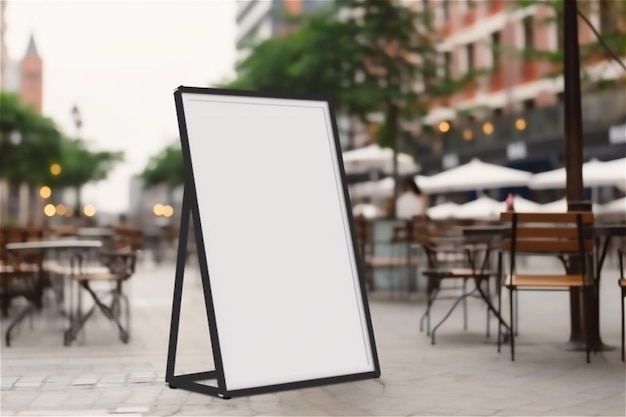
(573, 115)
(573, 155)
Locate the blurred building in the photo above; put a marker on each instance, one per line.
(24, 78)
(4, 53)
(260, 20)
(31, 76)
(513, 114)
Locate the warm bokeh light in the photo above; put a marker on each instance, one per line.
(55, 169)
(520, 124)
(168, 210)
(158, 209)
(444, 127)
(89, 210)
(488, 128)
(45, 192)
(61, 210)
(49, 210)
(69, 212)
(468, 134)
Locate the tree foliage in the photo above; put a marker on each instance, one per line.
(80, 165)
(166, 167)
(29, 142)
(369, 56)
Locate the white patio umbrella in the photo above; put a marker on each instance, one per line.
(373, 157)
(483, 208)
(595, 174)
(613, 207)
(442, 211)
(368, 211)
(520, 204)
(555, 206)
(474, 175)
(374, 189)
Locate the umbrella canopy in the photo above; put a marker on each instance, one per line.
(373, 189)
(475, 175)
(559, 206)
(483, 208)
(595, 174)
(373, 157)
(368, 211)
(522, 205)
(555, 206)
(614, 207)
(442, 211)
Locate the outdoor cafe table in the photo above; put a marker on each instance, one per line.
(71, 247)
(603, 234)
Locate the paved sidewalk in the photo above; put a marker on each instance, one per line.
(461, 375)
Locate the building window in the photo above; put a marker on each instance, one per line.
(470, 57)
(607, 21)
(446, 9)
(495, 50)
(527, 24)
(529, 104)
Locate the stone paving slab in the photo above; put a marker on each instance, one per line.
(461, 375)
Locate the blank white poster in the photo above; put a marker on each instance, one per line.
(288, 304)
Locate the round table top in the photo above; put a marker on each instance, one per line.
(55, 244)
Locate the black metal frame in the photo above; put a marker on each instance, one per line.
(190, 210)
(620, 256)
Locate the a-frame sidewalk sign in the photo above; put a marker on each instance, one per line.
(281, 276)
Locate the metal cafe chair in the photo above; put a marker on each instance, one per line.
(455, 261)
(119, 266)
(622, 284)
(565, 235)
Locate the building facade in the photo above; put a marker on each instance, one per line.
(513, 113)
(258, 20)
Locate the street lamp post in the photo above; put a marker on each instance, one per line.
(78, 122)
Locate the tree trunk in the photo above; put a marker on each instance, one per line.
(392, 120)
(79, 202)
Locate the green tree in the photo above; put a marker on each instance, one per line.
(369, 57)
(81, 165)
(29, 142)
(166, 167)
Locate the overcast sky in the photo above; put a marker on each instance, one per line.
(120, 61)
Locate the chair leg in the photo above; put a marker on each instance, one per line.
(500, 314)
(516, 313)
(513, 326)
(488, 292)
(587, 296)
(464, 304)
(430, 293)
(623, 296)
